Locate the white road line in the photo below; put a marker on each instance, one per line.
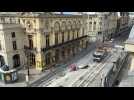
(89, 74)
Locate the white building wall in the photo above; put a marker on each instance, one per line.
(8, 51)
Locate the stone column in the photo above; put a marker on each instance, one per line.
(38, 55)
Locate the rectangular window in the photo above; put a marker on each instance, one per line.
(83, 31)
(30, 39)
(56, 38)
(94, 27)
(68, 37)
(90, 26)
(47, 41)
(14, 45)
(62, 37)
(73, 34)
(77, 33)
(13, 34)
(30, 43)
(100, 23)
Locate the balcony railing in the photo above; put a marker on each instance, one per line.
(62, 44)
(27, 48)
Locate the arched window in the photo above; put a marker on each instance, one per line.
(74, 25)
(56, 29)
(69, 25)
(63, 26)
(2, 61)
(57, 26)
(16, 60)
(63, 30)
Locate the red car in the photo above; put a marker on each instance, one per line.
(72, 67)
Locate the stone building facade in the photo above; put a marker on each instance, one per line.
(123, 20)
(46, 39)
(101, 26)
(11, 45)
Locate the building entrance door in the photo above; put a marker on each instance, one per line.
(57, 52)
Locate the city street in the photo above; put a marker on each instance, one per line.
(77, 78)
(62, 68)
(49, 49)
(60, 73)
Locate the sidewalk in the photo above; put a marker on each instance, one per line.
(36, 75)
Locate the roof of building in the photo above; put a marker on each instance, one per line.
(36, 14)
(128, 81)
(130, 39)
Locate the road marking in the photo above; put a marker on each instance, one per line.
(89, 72)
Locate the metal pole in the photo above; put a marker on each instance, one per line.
(28, 73)
(27, 65)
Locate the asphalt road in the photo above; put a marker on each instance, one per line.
(62, 69)
(79, 58)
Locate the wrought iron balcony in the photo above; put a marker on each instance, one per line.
(63, 44)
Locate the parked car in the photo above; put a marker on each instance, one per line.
(73, 67)
(82, 66)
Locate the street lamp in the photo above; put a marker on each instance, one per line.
(27, 65)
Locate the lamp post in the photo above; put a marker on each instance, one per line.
(28, 72)
(27, 66)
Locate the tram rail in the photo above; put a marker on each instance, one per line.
(90, 74)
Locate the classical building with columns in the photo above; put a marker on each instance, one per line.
(48, 39)
(12, 45)
(123, 20)
(128, 77)
(101, 26)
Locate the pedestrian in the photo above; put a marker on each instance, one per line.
(101, 84)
